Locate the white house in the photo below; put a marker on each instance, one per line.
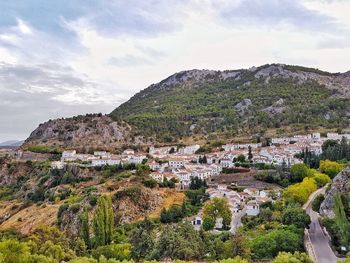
(253, 208)
(191, 149)
(197, 221)
(98, 162)
(128, 152)
(176, 163)
(69, 155)
(57, 165)
(101, 153)
(136, 159)
(157, 176)
(226, 163)
(114, 160)
(153, 165)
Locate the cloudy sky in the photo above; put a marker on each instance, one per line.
(60, 58)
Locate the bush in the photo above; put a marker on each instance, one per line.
(269, 245)
(173, 215)
(298, 172)
(316, 203)
(300, 192)
(150, 183)
(321, 179)
(296, 216)
(330, 168)
(115, 251)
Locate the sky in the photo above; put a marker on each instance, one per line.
(61, 58)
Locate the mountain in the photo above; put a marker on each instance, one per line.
(270, 99)
(11, 143)
(235, 102)
(89, 132)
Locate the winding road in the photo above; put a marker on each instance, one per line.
(320, 243)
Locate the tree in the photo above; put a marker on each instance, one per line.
(181, 241)
(265, 214)
(298, 172)
(300, 192)
(241, 158)
(233, 260)
(269, 245)
(103, 221)
(13, 251)
(316, 203)
(208, 223)
(53, 251)
(297, 257)
(142, 239)
(218, 208)
(321, 179)
(240, 245)
(83, 260)
(250, 155)
(341, 221)
(172, 215)
(205, 160)
(85, 228)
(116, 251)
(330, 168)
(296, 216)
(329, 144)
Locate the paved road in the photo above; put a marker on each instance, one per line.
(236, 222)
(320, 244)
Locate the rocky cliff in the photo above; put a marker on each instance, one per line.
(340, 185)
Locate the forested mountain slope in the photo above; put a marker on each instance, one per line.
(239, 102)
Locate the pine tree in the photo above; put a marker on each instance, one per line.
(103, 221)
(205, 160)
(250, 155)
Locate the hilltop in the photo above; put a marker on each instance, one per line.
(213, 105)
(234, 102)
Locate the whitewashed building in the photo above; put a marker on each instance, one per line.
(253, 208)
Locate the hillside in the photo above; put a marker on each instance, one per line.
(239, 102)
(268, 100)
(32, 194)
(84, 132)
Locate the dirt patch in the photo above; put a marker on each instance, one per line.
(245, 180)
(32, 217)
(171, 197)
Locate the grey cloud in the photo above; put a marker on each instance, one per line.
(275, 13)
(30, 95)
(134, 17)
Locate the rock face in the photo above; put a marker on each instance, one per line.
(340, 185)
(243, 105)
(135, 203)
(276, 108)
(82, 132)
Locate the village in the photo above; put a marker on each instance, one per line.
(180, 165)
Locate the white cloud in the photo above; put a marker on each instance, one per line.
(93, 59)
(23, 27)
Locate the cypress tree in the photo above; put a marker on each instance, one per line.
(103, 221)
(85, 228)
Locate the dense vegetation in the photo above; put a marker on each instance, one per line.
(331, 150)
(179, 110)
